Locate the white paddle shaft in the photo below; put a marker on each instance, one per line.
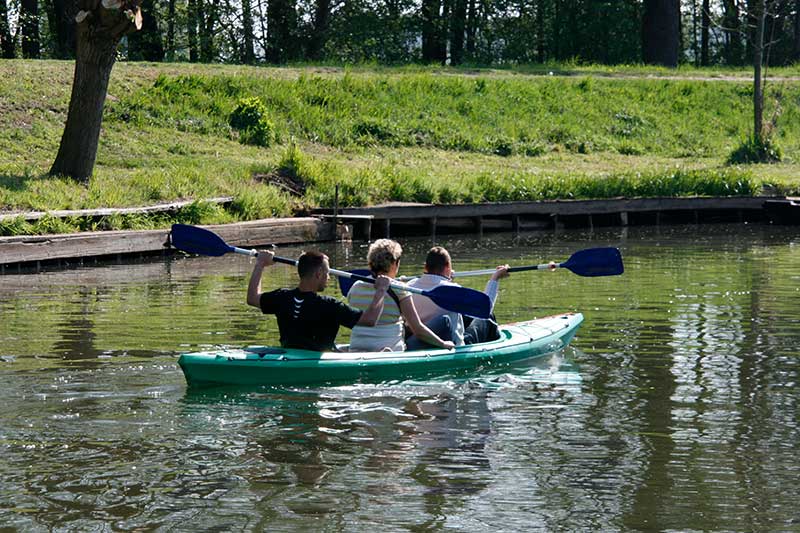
(339, 273)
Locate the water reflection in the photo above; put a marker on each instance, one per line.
(676, 409)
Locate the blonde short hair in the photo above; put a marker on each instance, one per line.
(382, 254)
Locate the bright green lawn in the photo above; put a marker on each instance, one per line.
(381, 133)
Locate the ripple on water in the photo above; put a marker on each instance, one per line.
(681, 382)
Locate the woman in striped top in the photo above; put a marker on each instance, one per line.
(388, 334)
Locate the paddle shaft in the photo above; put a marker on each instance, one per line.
(590, 262)
(196, 240)
(338, 273)
(489, 271)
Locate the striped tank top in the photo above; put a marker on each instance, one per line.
(388, 333)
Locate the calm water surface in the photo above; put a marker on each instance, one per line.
(675, 409)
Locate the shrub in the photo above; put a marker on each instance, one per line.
(251, 203)
(754, 149)
(502, 146)
(250, 119)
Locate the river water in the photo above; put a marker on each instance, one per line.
(676, 407)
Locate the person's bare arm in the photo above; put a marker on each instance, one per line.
(264, 259)
(373, 312)
(500, 272)
(418, 328)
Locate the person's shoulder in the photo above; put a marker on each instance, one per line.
(282, 292)
(277, 293)
(362, 288)
(401, 294)
(328, 300)
(431, 281)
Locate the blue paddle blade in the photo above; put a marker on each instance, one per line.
(595, 262)
(196, 240)
(461, 300)
(346, 283)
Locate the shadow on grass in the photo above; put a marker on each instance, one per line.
(21, 182)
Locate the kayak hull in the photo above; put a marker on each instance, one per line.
(262, 365)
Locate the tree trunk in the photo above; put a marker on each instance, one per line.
(281, 17)
(6, 40)
(775, 32)
(170, 51)
(796, 55)
(430, 38)
(262, 17)
(443, 32)
(146, 44)
(191, 30)
(319, 31)
(472, 25)
(78, 149)
(99, 33)
(732, 24)
(458, 24)
(248, 52)
(557, 30)
(661, 32)
(61, 23)
(758, 49)
(540, 32)
(705, 26)
(29, 24)
(695, 44)
(207, 20)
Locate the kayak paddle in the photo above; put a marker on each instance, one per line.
(591, 262)
(462, 300)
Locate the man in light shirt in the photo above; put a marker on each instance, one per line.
(439, 271)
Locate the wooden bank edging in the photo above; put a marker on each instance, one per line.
(78, 246)
(549, 213)
(171, 207)
(474, 217)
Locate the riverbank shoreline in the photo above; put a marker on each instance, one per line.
(25, 253)
(33, 252)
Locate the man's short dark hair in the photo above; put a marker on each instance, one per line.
(436, 260)
(310, 262)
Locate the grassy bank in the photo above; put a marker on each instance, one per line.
(408, 133)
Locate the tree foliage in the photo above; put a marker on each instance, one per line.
(479, 32)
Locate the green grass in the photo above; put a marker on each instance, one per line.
(500, 116)
(411, 133)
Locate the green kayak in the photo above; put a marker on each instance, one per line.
(262, 365)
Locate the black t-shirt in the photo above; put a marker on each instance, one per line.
(307, 320)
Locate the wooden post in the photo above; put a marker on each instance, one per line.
(432, 223)
(515, 222)
(386, 228)
(591, 222)
(478, 221)
(368, 229)
(623, 218)
(335, 209)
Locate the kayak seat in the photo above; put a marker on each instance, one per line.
(266, 350)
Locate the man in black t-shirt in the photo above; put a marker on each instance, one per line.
(307, 320)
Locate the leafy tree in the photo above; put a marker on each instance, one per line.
(101, 26)
(661, 32)
(146, 44)
(6, 39)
